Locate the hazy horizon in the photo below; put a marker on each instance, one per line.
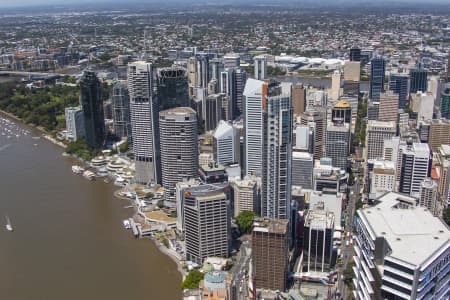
(25, 3)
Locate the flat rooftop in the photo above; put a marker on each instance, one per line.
(270, 225)
(413, 233)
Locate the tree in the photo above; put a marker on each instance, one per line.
(447, 216)
(245, 220)
(193, 279)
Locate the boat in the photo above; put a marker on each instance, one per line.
(77, 169)
(8, 224)
(89, 175)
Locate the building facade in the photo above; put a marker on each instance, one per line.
(93, 115)
(121, 111)
(144, 122)
(179, 148)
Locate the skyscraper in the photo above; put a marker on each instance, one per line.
(172, 87)
(388, 107)
(445, 103)
(255, 92)
(226, 145)
(260, 67)
(318, 118)
(74, 123)
(377, 71)
(216, 109)
(121, 111)
(92, 104)
(302, 169)
(428, 196)
(246, 193)
(270, 254)
(355, 54)
(377, 133)
(338, 144)
(206, 222)
(439, 134)
(416, 166)
(400, 247)
(276, 151)
(232, 83)
(399, 83)
(179, 148)
(144, 122)
(419, 80)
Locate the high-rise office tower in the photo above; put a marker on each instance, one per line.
(304, 138)
(318, 239)
(302, 169)
(216, 109)
(270, 249)
(232, 83)
(377, 71)
(352, 71)
(341, 113)
(439, 134)
(192, 75)
(429, 197)
(121, 111)
(377, 133)
(399, 84)
(445, 103)
(74, 123)
(255, 92)
(335, 91)
(206, 211)
(216, 67)
(260, 62)
(443, 166)
(402, 251)
(355, 54)
(337, 144)
(318, 118)
(173, 89)
(246, 195)
(416, 166)
(179, 148)
(419, 79)
(144, 122)
(231, 60)
(276, 151)
(226, 145)
(202, 70)
(92, 104)
(388, 107)
(298, 99)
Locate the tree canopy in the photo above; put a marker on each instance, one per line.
(193, 279)
(245, 220)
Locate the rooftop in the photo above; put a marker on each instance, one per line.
(343, 104)
(412, 232)
(270, 225)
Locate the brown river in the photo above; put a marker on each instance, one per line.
(68, 240)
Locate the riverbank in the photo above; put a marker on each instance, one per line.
(161, 247)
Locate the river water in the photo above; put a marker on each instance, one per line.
(68, 240)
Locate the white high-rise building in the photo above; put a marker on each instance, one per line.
(277, 152)
(416, 166)
(74, 123)
(377, 132)
(253, 126)
(402, 251)
(429, 197)
(226, 144)
(383, 177)
(144, 122)
(179, 148)
(246, 194)
(260, 67)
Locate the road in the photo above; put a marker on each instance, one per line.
(347, 250)
(240, 269)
